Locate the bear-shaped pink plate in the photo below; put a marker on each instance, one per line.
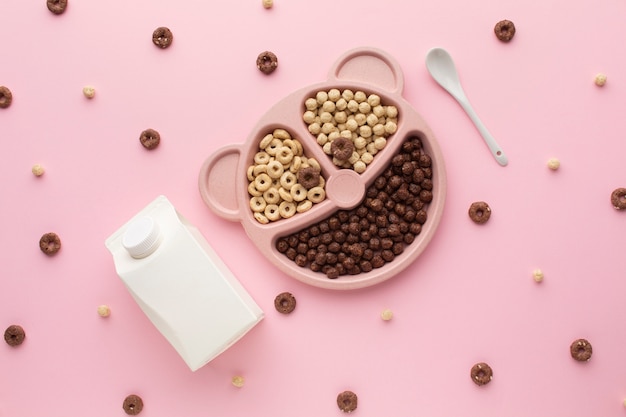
(341, 184)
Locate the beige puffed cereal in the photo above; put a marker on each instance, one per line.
(304, 206)
(538, 275)
(238, 381)
(104, 311)
(554, 164)
(600, 79)
(386, 314)
(89, 91)
(260, 217)
(38, 170)
(271, 212)
(286, 209)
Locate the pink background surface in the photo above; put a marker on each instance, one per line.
(470, 297)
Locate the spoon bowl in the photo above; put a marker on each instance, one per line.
(441, 67)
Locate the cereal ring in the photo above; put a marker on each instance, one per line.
(261, 158)
(316, 194)
(258, 170)
(285, 302)
(263, 182)
(298, 192)
(347, 401)
(271, 212)
(284, 155)
(14, 335)
(271, 196)
(238, 381)
(291, 144)
(150, 139)
(275, 169)
(259, 217)
(504, 30)
(481, 373)
(286, 209)
(479, 212)
(285, 195)
(618, 198)
(309, 177)
(273, 147)
(162, 37)
(288, 180)
(50, 243)
(267, 62)
(57, 6)
(342, 148)
(581, 350)
(252, 190)
(133, 404)
(281, 134)
(313, 163)
(6, 97)
(265, 142)
(304, 206)
(258, 204)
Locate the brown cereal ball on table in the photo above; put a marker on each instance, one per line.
(481, 373)
(267, 62)
(479, 212)
(57, 6)
(14, 335)
(50, 243)
(618, 198)
(162, 37)
(347, 401)
(132, 405)
(581, 350)
(504, 30)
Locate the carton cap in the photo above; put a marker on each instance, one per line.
(142, 237)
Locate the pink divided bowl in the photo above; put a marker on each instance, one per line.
(223, 178)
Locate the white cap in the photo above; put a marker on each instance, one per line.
(142, 237)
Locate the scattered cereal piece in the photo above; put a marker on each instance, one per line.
(285, 303)
(267, 62)
(479, 212)
(347, 401)
(268, 4)
(386, 315)
(581, 350)
(481, 373)
(624, 402)
(538, 275)
(104, 311)
(504, 30)
(618, 198)
(150, 139)
(600, 79)
(554, 164)
(56, 6)
(89, 91)
(6, 97)
(14, 335)
(162, 37)
(133, 404)
(50, 243)
(238, 381)
(38, 170)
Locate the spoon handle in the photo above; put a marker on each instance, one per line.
(495, 149)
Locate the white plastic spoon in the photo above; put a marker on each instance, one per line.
(442, 69)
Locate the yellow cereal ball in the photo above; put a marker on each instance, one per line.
(538, 275)
(268, 4)
(38, 170)
(104, 311)
(554, 164)
(624, 402)
(600, 79)
(89, 91)
(386, 314)
(238, 381)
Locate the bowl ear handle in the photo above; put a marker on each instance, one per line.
(217, 182)
(371, 66)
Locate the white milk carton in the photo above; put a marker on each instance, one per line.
(181, 284)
